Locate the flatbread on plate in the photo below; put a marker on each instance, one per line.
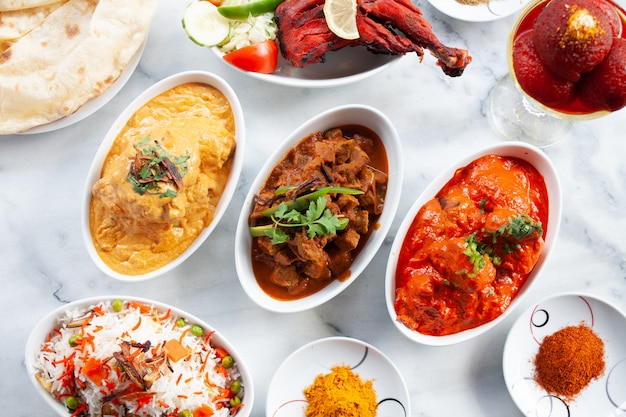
(16, 23)
(23, 4)
(72, 56)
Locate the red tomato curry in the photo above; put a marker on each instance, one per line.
(470, 249)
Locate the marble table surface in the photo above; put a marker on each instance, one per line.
(44, 264)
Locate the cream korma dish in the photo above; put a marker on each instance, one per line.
(162, 178)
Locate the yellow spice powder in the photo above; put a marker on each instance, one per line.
(340, 393)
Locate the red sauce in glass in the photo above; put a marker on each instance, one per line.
(437, 290)
(526, 25)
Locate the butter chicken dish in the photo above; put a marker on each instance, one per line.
(470, 249)
(163, 178)
(316, 210)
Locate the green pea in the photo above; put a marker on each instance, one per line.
(73, 341)
(71, 402)
(228, 361)
(185, 413)
(235, 401)
(117, 305)
(181, 322)
(235, 386)
(197, 330)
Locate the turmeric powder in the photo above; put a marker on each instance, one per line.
(340, 393)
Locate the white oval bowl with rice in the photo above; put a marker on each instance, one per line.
(179, 376)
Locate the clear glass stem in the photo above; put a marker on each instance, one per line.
(518, 118)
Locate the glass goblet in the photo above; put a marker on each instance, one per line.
(517, 115)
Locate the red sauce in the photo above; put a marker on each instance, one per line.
(439, 290)
(526, 25)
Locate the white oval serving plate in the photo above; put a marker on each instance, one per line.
(345, 66)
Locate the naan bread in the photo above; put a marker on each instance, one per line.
(74, 55)
(16, 23)
(23, 4)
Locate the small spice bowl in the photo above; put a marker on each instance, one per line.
(602, 396)
(285, 396)
(130, 209)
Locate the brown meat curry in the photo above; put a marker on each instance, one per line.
(316, 210)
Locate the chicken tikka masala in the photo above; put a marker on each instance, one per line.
(471, 248)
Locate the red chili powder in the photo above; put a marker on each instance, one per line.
(568, 360)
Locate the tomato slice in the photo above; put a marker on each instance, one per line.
(261, 57)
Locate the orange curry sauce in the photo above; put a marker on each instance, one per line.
(440, 288)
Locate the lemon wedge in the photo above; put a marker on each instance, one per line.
(341, 18)
(204, 25)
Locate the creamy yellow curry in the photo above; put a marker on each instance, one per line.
(163, 178)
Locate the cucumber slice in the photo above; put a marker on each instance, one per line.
(204, 25)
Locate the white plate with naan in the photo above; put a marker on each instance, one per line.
(61, 62)
(92, 105)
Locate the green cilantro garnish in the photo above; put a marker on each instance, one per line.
(306, 211)
(516, 230)
(153, 166)
(482, 204)
(317, 220)
(474, 251)
(521, 227)
(503, 240)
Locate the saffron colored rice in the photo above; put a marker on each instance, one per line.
(197, 380)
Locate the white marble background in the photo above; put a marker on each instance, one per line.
(44, 264)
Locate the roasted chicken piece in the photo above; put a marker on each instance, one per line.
(393, 27)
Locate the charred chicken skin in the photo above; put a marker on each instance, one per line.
(393, 27)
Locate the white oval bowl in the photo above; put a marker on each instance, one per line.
(96, 167)
(42, 329)
(520, 150)
(338, 116)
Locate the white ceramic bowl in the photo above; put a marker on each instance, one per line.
(604, 396)
(513, 149)
(485, 12)
(285, 395)
(345, 66)
(96, 167)
(46, 325)
(343, 115)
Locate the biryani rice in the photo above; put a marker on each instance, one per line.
(185, 384)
